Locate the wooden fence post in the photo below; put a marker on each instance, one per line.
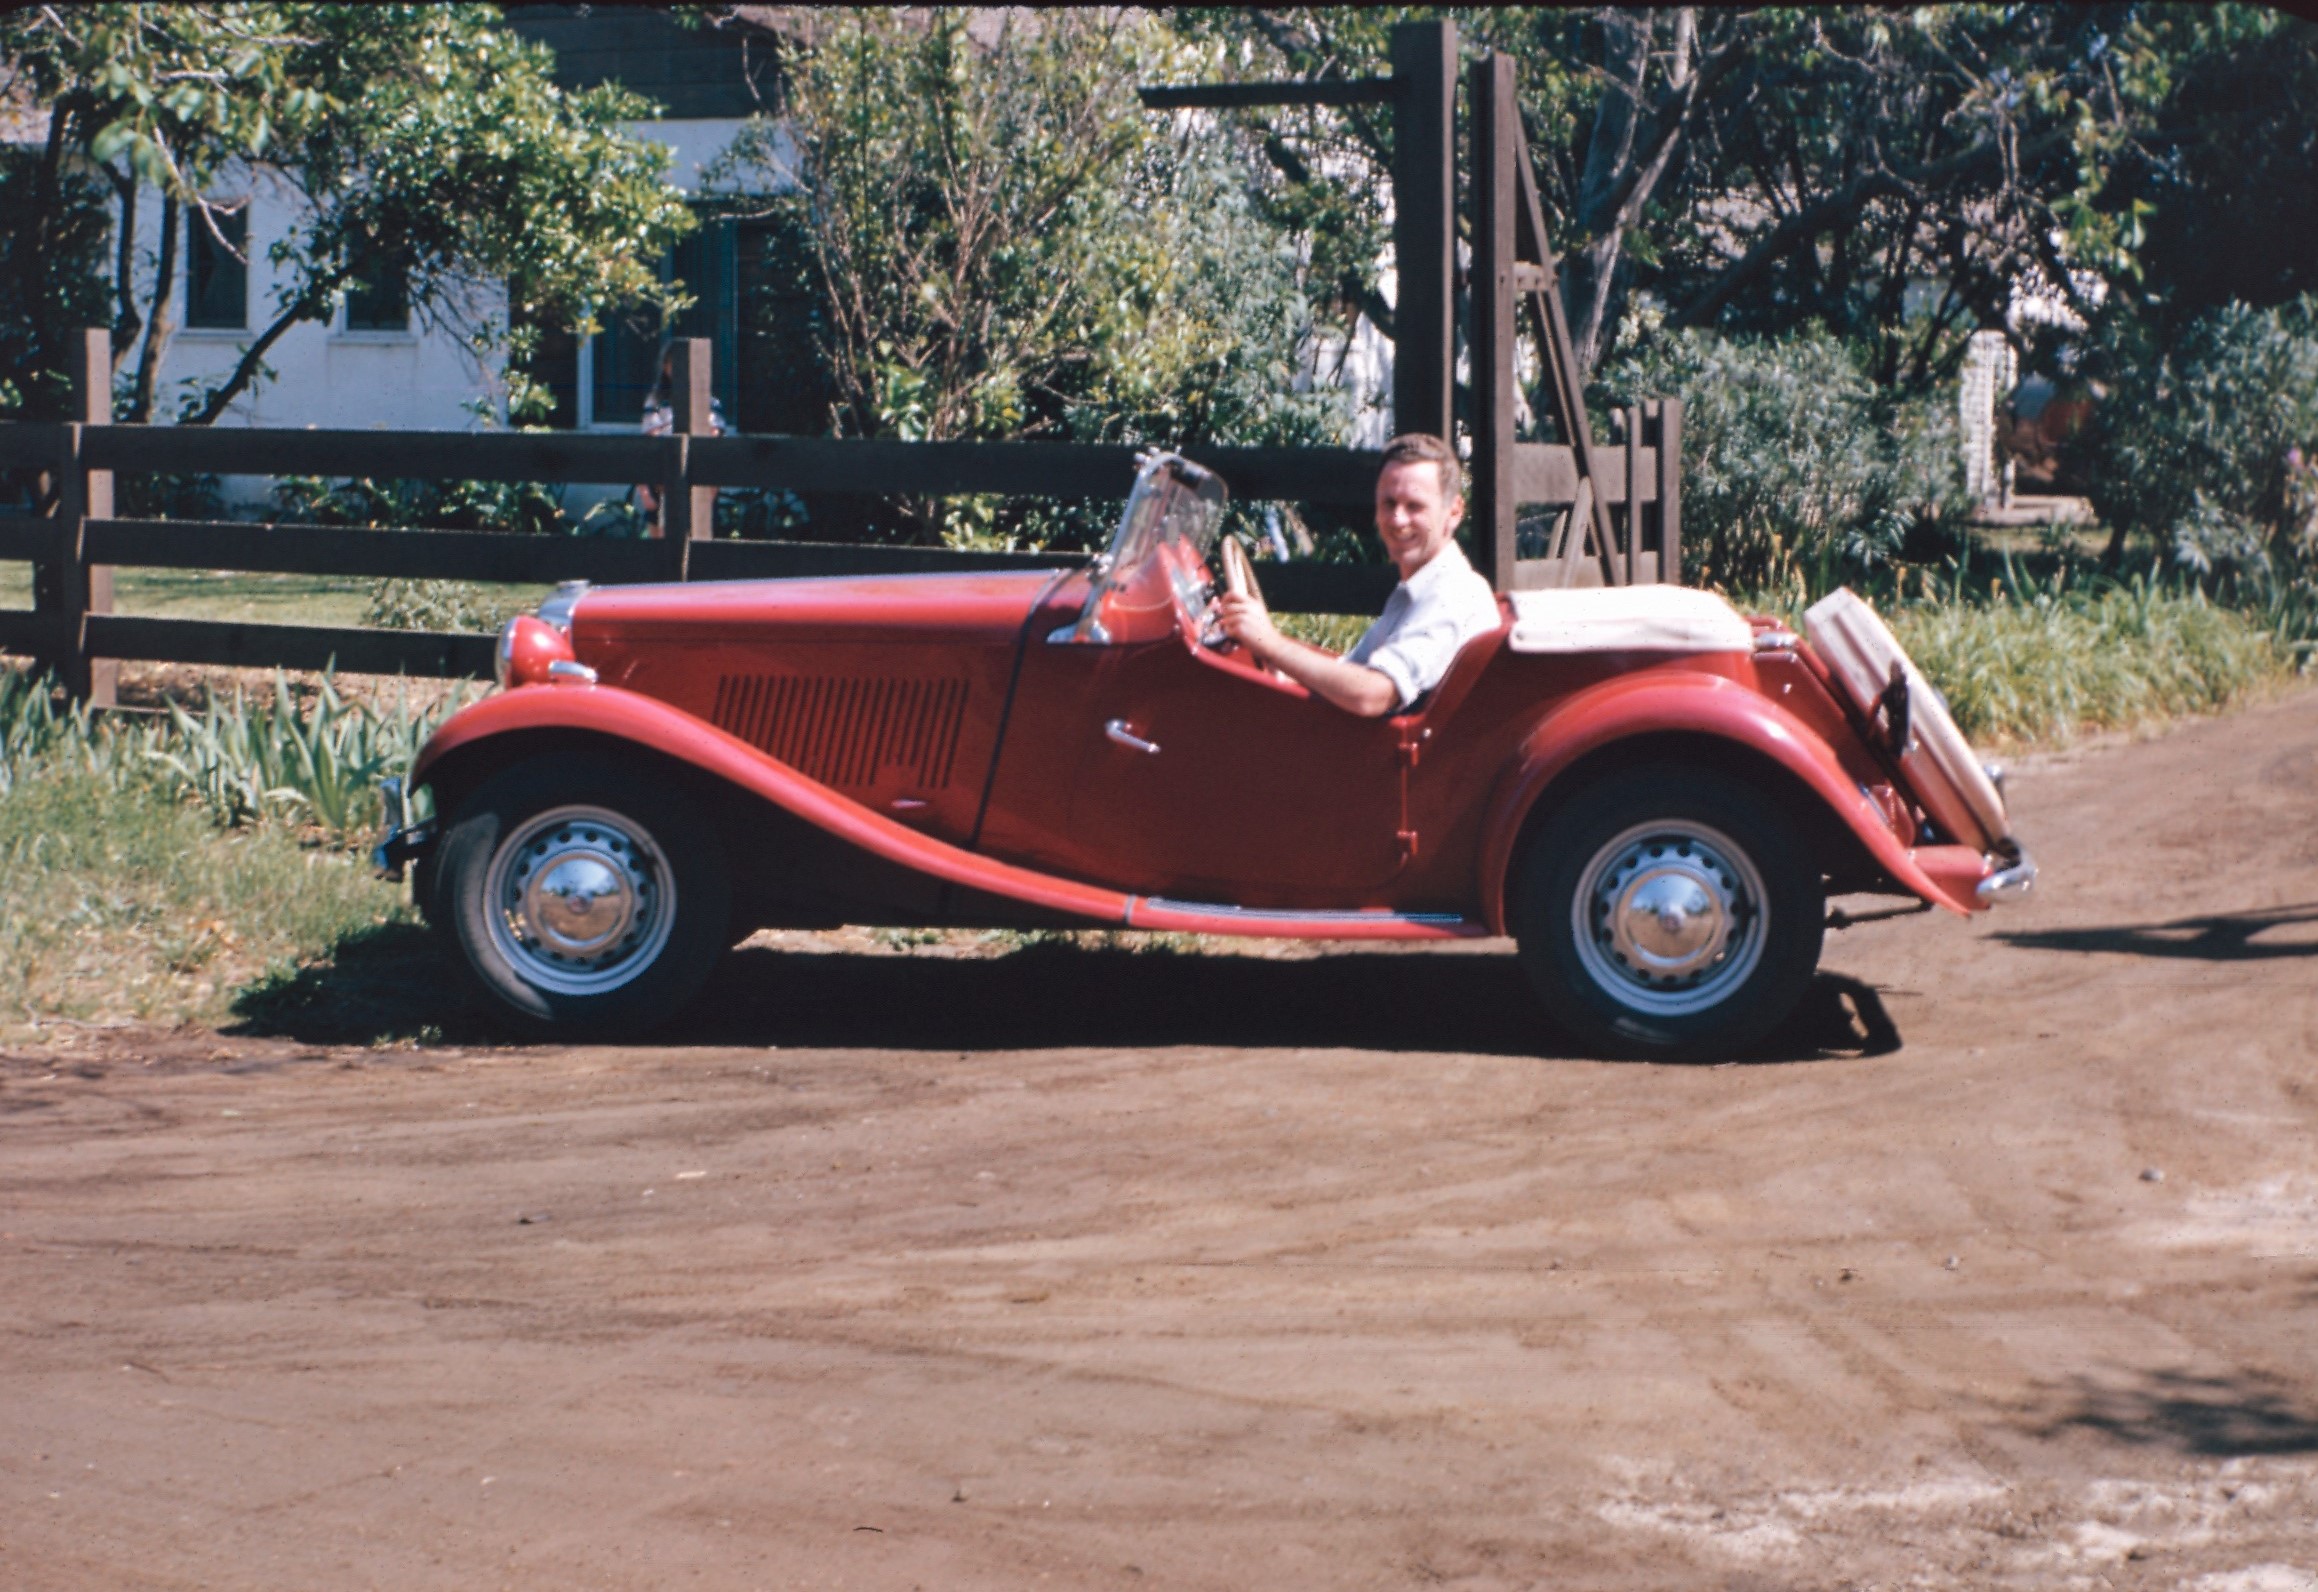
(1495, 138)
(1424, 226)
(1668, 441)
(689, 511)
(70, 588)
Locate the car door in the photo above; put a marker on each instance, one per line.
(1170, 770)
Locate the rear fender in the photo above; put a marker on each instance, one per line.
(1718, 708)
(609, 713)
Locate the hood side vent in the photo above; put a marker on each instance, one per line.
(849, 732)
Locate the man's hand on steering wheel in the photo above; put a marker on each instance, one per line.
(1243, 617)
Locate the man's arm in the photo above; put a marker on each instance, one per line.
(1354, 687)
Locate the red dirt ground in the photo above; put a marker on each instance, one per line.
(1089, 1269)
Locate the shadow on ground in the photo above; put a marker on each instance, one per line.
(2223, 937)
(387, 984)
(2220, 1417)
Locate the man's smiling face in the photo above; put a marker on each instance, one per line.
(1415, 514)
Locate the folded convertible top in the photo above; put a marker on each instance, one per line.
(1627, 619)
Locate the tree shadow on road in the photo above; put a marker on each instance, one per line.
(2221, 937)
(388, 985)
(2221, 1417)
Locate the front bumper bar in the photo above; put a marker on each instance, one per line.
(404, 842)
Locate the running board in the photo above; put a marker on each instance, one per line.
(1208, 917)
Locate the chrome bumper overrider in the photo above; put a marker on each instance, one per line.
(404, 841)
(2008, 884)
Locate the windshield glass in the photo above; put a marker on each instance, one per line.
(1175, 504)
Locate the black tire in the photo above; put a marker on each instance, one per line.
(577, 821)
(1729, 953)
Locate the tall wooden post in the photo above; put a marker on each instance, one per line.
(1668, 441)
(70, 589)
(1495, 140)
(689, 512)
(1424, 226)
(1632, 424)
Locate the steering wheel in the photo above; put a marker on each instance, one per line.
(1239, 580)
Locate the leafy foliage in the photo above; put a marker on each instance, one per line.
(1005, 244)
(1797, 469)
(53, 232)
(2040, 667)
(2207, 445)
(422, 143)
(452, 605)
(1762, 168)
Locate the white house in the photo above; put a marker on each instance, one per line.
(376, 365)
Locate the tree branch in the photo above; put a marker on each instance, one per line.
(253, 359)
(157, 329)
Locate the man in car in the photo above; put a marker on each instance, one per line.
(1439, 605)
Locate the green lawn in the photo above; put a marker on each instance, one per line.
(221, 594)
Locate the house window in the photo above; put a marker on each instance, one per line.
(377, 300)
(217, 274)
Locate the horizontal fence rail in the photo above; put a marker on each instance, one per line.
(79, 540)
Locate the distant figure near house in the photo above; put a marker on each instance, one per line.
(659, 421)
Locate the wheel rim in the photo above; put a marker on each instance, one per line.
(581, 900)
(1670, 918)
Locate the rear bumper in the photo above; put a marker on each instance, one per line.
(1969, 879)
(2008, 883)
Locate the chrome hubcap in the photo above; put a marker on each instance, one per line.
(582, 900)
(1669, 917)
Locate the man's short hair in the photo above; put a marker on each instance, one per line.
(1422, 447)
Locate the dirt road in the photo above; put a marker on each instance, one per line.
(1085, 1269)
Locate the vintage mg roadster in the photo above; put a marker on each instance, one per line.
(1651, 792)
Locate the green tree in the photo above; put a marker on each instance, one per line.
(420, 142)
(1766, 168)
(1005, 244)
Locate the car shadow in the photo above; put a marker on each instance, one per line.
(2220, 937)
(386, 985)
(2219, 1417)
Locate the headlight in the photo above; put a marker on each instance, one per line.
(532, 651)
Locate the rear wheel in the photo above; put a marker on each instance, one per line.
(1669, 912)
(581, 896)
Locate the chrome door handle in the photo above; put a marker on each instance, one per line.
(1117, 730)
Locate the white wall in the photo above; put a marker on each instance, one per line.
(324, 375)
(422, 379)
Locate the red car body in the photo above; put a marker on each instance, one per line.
(1015, 749)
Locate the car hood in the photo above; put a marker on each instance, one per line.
(989, 606)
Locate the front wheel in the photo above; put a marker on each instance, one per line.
(1669, 912)
(582, 897)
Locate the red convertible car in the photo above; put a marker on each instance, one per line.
(1651, 792)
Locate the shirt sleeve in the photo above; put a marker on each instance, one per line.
(1418, 654)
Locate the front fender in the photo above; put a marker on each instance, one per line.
(649, 723)
(1696, 704)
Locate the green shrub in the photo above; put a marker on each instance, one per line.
(2195, 445)
(1795, 467)
(523, 506)
(397, 604)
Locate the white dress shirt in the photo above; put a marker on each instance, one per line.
(1426, 621)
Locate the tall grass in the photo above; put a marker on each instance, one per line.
(119, 901)
(148, 871)
(2043, 668)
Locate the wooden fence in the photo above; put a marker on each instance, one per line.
(75, 547)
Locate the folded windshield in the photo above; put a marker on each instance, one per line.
(1175, 504)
